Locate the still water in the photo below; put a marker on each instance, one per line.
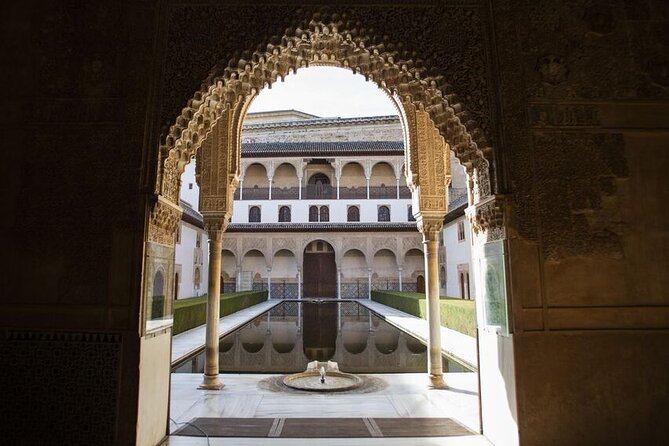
(293, 333)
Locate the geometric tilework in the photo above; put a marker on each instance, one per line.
(59, 388)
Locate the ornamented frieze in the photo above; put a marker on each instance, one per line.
(164, 221)
(487, 218)
(564, 115)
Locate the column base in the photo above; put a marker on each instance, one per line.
(211, 382)
(437, 382)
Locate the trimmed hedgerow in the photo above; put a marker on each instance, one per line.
(192, 312)
(456, 314)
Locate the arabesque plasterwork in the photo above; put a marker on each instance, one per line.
(409, 83)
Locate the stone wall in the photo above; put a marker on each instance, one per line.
(572, 95)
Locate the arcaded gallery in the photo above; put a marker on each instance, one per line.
(485, 264)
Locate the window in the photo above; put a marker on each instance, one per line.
(254, 214)
(325, 213)
(410, 216)
(197, 278)
(313, 213)
(284, 214)
(317, 213)
(198, 240)
(383, 213)
(461, 231)
(353, 213)
(190, 186)
(179, 234)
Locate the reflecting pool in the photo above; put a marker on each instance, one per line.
(294, 333)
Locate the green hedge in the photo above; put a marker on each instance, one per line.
(192, 312)
(456, 314)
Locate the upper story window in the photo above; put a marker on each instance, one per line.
(254, 214)
(383, 213)
(198, 240)
(325, 213)
(410, 216)
(284, 214)
(319, 213)
(353, 213)
(313, 213)
(461, 231)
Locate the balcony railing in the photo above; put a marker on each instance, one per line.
(323, 191)
(255, 193)
(405, 192)
(286, 193)
(353, 192)
(320, 191)
(382, 192)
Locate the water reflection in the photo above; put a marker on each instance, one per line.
(293, 333)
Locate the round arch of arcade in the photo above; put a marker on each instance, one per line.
(425, 102)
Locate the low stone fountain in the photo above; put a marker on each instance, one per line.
(322, 377)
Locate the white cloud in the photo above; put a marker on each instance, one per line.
(325, 91)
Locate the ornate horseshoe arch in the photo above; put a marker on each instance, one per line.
(218, 109)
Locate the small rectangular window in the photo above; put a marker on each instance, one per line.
(461, 231)
(190, 185)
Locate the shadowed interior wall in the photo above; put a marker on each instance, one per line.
(573, 95)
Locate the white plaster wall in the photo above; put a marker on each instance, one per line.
(457, 252)
(498, 388)
(185, 257)
(299, 209)
(190, 191)
(154, 388)
(345, 130)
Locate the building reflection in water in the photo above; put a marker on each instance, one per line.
(293, 333)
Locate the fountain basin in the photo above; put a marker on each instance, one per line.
(335, 381)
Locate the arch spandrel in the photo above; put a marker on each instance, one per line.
(230, 90)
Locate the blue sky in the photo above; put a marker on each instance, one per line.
(327, 92)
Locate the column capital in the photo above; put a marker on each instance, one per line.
(216, 226)
(430, 226)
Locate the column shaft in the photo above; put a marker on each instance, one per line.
(211, 380)
(431, 250)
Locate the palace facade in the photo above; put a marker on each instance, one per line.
(322, 210)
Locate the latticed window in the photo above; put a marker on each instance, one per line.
(383, 213)
(254, 214)
(353, 213)
(325, 213)
(461, 231)
(284, 214)
(313, 213)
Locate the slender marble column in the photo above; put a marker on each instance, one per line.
(431, 229)
(369, 283)
(211, 380)
(269, 283)
(270, 180)
(338, 283)
(241, 188)
(399, 273)
(398, 188)
(299, 283)
(367, 187)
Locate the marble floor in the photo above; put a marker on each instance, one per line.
(402, 395)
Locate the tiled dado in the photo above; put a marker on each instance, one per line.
(73, 378)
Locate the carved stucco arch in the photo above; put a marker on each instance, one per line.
(245, 166)
(283, 249)
(261, 251)
(364, 252)
(407, 82)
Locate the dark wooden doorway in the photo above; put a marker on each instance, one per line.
(320, 270)
(420, 284)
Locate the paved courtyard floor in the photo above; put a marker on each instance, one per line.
(395, 395)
